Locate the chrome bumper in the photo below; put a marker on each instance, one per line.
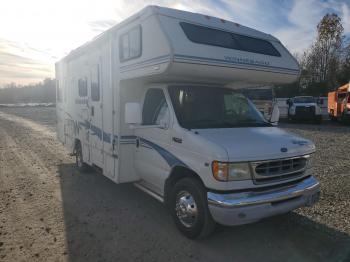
(247, 207)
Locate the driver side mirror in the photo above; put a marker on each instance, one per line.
(133, 113)
(320, 101)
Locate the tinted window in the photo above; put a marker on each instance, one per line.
(82, 86)
(154, 107)
(341, 96)
(95, 84)
(213, 107)
(304, 99)
(130, 44)
(210, 36)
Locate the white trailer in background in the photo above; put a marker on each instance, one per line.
(148, 102)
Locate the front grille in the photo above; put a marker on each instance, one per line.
(305, 111)
(268, 171)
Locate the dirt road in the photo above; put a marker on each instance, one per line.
(51, 212)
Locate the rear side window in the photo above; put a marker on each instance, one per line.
(214, 37)
(130, 44)
(95, 84)
(154, 107)
(82, 86)
(58, 91)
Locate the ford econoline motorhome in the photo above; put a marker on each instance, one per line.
(152, 101)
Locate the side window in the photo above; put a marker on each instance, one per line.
(155, 107)
(95, 84)
(82, 86)
(130, 44)
(58, 91)
(341, 97)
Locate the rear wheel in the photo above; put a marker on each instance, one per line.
(79, 160)
(332, 118)
(344, 119)
(189, 209)
(318, 120)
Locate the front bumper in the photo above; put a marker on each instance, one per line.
(248, 207)
(305, 116)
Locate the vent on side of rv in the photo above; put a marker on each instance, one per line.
(215, 37)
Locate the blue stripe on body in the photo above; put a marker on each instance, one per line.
(171, 159)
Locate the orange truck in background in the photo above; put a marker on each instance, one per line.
(339, 103)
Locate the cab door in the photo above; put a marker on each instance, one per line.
(95, 112)
(152, 144)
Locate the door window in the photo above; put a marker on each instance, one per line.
(155, 108)
(82, 87)
(95, 84)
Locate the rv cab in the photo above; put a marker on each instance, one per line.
(156, 101)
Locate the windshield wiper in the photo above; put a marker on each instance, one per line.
(254, 123)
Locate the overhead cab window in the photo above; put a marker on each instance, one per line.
(214, 37)
(130, 44)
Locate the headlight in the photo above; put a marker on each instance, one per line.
(308, 161)
(223, 171)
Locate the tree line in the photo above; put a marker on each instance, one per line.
(42, 92)
(325, 65)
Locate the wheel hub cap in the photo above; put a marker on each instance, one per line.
(186, 209)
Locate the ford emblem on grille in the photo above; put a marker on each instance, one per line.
(284, 150)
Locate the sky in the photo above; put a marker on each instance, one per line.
(35, 34)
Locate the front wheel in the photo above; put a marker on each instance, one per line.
(189, 209)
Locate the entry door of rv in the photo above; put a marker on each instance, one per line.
(95, 111)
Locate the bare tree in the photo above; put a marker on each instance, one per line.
(322, 60)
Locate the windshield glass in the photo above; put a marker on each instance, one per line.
(258, 94)
(304, 99)
(213, 107)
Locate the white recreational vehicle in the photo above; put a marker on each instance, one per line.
(148, 102)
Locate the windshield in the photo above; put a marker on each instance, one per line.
(258, 94)
(304, 99)
(213, 107)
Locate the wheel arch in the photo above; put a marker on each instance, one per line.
(177, 173)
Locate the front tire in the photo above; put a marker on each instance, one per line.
(189, 209)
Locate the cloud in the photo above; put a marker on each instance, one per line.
(303, 18)
(102, 25)
(36, 34)
(345, 15)
(22, 64)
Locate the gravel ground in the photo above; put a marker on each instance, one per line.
(51, 212)
(332, 167)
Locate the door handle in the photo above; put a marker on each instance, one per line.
(177, 140)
